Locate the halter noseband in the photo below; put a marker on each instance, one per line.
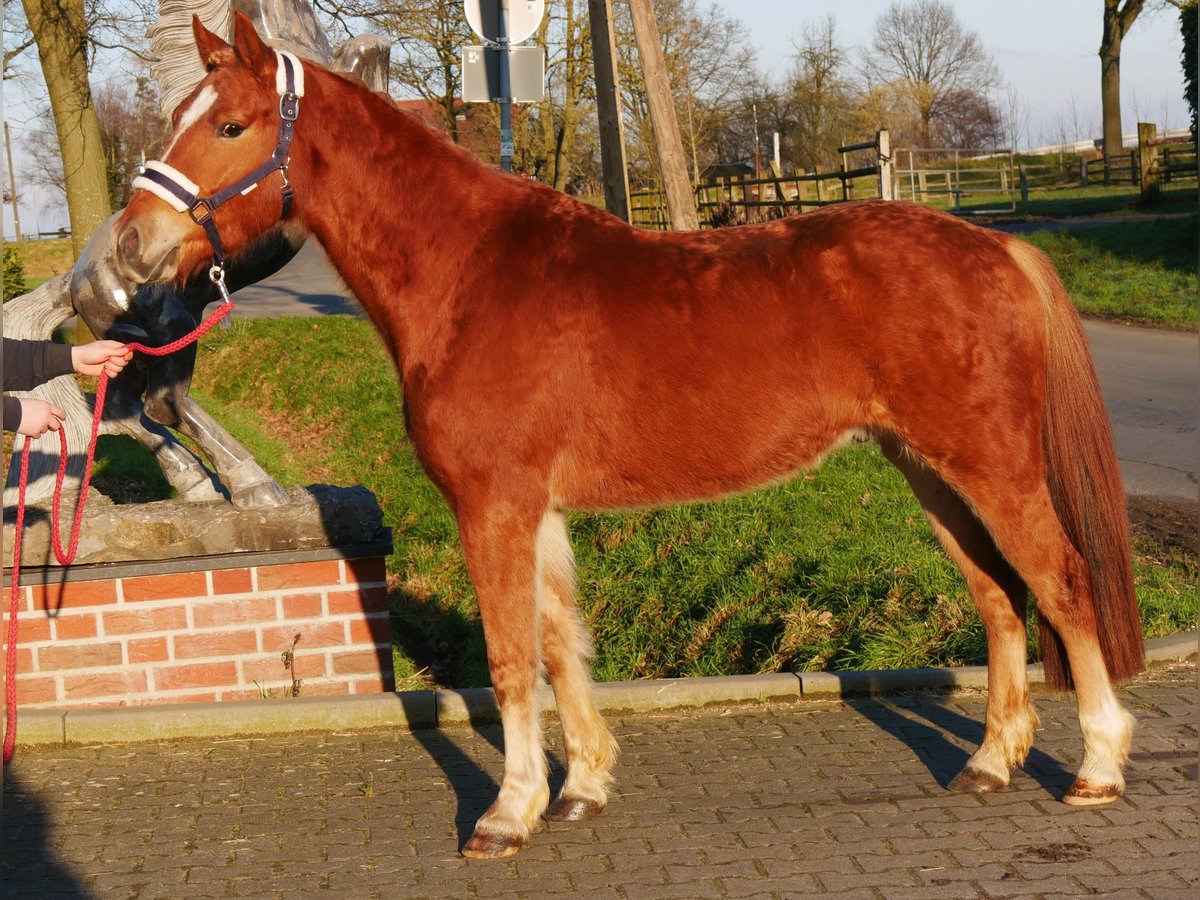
(182, 194)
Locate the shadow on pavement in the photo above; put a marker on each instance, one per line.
(474, 789)
(29, 866)
(931, 739)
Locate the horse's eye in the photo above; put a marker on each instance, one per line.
(231, 130)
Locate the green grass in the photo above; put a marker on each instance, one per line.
(834, 570)
(1134, 271)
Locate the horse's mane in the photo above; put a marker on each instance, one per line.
(286, 25)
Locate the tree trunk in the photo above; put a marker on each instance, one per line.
(681, 203)
(61, 34)
(1117, 20)
(608, 109)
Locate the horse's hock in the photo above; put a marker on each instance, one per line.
(174, 601)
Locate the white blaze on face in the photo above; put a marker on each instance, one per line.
(203, 102)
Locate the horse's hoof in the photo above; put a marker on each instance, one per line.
(1084, 794)
(491, 846)
(976, 781)
(572, 809)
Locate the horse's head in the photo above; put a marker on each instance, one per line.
(228, 127)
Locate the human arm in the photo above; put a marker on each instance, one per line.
(30, 363)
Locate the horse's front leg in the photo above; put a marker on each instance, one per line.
(499, 540)
(566, 649)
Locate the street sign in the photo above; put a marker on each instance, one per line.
(481, 74)
(522, 20)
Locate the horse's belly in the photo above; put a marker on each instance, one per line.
(666, 469)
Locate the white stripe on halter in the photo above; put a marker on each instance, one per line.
(281, 75)
(177, 203)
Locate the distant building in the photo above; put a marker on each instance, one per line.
(726, 172)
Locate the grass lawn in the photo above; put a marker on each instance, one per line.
(834, 570)
(42, 260)
(1139, 271)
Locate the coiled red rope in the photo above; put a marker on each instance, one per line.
(66, 557)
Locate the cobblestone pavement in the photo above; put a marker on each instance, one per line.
(812, 798)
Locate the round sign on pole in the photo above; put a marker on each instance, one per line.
(521, 19)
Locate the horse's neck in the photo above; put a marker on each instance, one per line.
(387, 202)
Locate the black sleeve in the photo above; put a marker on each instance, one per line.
(12, 413)
(30, 363)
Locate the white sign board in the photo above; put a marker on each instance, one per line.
(521, 18)
(481, 74)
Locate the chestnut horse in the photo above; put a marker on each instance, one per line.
(554, 358)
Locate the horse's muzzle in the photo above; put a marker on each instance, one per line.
(141, 260)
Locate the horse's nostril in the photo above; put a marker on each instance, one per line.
(129, 243)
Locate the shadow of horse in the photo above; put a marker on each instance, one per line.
(938, 734)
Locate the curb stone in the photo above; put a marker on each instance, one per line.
(454, 708)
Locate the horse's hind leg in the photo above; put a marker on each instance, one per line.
(1013, 502)
(1000, 596)
(566, 649)
(499, 542)
(1034, 542)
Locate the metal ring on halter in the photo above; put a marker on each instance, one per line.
(216, 274)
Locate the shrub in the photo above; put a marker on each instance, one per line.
(14, 273)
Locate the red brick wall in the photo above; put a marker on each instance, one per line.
(205, 635)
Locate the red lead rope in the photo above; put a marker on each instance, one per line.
(68, 556)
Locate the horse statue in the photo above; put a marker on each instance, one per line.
(554, 358)
(152, 395)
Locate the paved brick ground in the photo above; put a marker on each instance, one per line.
(840, 798)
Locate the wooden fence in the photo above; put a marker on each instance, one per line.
(1161, 160)
(737, 200)
(964, 180)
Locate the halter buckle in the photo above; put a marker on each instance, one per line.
(200, 219)
(289, 107)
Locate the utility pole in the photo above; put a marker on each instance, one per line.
(506, 131)
(681, 204)
(12, 187)
(608, 110)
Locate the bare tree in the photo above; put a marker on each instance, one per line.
(60, 30)
(131, 129)
(430, 35)
(1119, 16)
(709, 64)
(925, 54)
(1014, 117)
(68, 35)
(822, 96)
(555, 129)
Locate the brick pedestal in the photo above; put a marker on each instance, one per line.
(205, 629)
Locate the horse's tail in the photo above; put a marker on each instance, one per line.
(1084, 479)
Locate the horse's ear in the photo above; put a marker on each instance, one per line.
(249, 46)
(208, 44)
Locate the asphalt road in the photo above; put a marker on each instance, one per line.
(1149, 377)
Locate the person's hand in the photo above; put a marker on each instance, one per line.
(38, 417)
(100, 356)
